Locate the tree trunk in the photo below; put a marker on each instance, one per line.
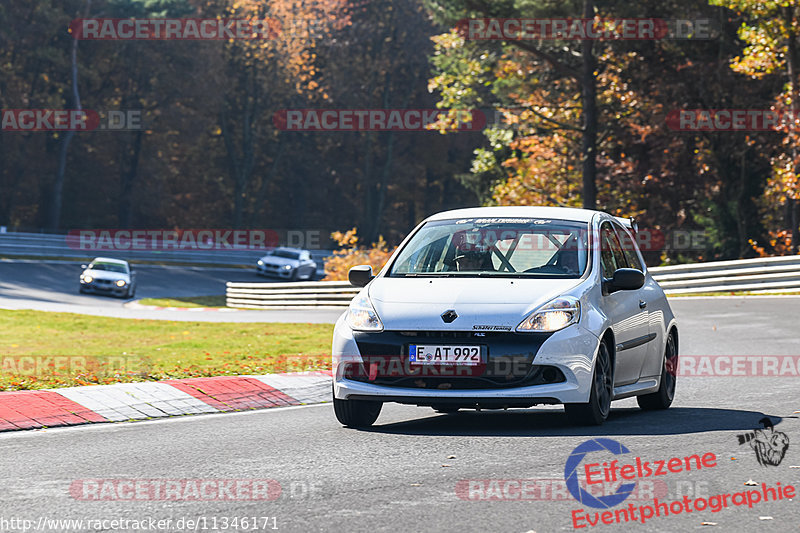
(130, 169)
(58, 185)
(241, 165)
(589, 112)
(791, 65)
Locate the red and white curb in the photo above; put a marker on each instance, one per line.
(139, 401)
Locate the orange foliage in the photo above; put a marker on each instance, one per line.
(352, 254)
(780, 241)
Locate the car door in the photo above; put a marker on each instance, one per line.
(649, 294)
(627, 311)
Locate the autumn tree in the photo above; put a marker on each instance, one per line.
(771, 30)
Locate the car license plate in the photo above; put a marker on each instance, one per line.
(425, 354)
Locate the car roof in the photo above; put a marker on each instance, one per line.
(521, 211)
(109, 260)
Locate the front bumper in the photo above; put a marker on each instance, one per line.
(274, 273)
(103, 288)
(521, 370)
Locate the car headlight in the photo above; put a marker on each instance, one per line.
(260, 262)
(287, 267)
(553, 316)
(87, 279)
(361, 316)
(120, 283)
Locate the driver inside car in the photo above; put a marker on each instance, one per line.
(471, 256)
(473, 261)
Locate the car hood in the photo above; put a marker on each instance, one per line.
(280, 261)
(481, 303)
(105, 274)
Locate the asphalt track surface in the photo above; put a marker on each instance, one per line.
(53, 286)
(402, 474)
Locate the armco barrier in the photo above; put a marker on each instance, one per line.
(765, 274)
(313, 295)
(770, 274)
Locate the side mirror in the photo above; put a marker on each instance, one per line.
(360, 275)
(626, 279)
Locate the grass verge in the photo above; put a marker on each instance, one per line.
(41, 349)
(189, 301)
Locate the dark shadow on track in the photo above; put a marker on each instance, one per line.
(553, 422)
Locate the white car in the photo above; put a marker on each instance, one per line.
(108, 276)
(287, 263)
(503, 307)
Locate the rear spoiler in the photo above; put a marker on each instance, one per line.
(629, 223)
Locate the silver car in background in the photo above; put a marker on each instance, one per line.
(292, 264)
(108, 276)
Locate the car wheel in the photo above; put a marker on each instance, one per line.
(445, 410)
(81, 290)
(131, 292)
(596, 411)
(662, 398)
(356, 413)
(295, 275)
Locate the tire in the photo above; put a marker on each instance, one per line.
(131, 292)
(445, 410)
(295, 274)
(596, 411)
(662, 398)
(82, 290)
(356, 413)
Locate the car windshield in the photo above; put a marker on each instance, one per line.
(286, 254)
(505, 247)
(109, 267)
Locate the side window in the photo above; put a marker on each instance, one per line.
(611, 255)
(305, 256)
(629, 248)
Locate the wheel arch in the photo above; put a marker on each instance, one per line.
(608, 338)
(673, 330)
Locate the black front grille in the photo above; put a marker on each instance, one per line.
(509, 363)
